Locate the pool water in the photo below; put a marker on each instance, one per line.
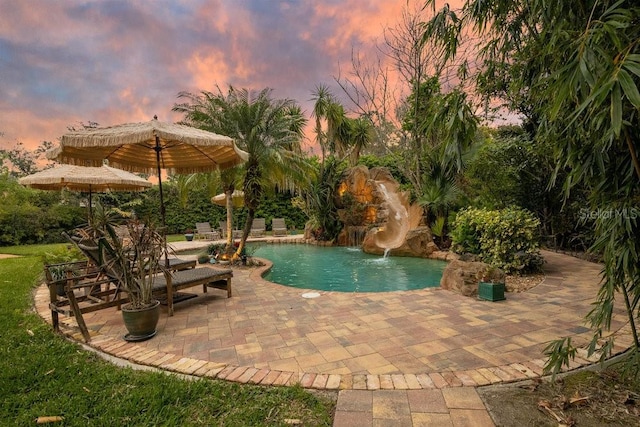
(346, 269)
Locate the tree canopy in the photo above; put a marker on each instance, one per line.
(572, 70)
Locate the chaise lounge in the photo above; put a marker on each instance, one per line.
(204, 231)
(258, 227)
(86, 286)
(169, 282)
(278, 227)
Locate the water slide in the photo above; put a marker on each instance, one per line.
(393, 233)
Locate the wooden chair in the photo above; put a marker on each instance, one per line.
(86, 286)
(204, 231)
(278, 227)
(258, 227)
(79, 287)
(168, 283)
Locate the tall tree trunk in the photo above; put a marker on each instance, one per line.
(251, 213)
(229, 199)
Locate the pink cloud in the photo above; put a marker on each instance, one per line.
(113, 62)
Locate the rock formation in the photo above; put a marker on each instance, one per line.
(378, 216)
(462, 276)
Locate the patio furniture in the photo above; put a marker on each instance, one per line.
(76, 288)
(235, 233)
(85, 286)
(278, 227)
(258, 227)
(168, 282)
(174, 264)
(204, 231)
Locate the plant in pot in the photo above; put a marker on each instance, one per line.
(203, 258)
(188, 235)
(57, 262)
(491, 284)
(215, 250)
(135, 263)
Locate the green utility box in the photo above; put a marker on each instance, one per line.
(491, 291)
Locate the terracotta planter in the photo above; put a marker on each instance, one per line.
(141, 323)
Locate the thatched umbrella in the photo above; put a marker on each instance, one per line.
(82, 178)
(235, 200)
(149, 147)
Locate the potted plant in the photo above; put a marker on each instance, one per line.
(491, 284)
(188, 235)
(58, 261)
(135, 263)
(215, 250)
(204, 258)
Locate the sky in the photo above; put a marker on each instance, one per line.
(65, 62)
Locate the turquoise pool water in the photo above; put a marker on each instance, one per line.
(346, 269)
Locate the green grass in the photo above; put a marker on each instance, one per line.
(42, 374)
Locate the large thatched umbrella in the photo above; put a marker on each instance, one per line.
(82, 178)
(149, 147)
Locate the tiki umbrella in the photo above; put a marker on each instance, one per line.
(149, 147)
(81, 178)
(237, 201)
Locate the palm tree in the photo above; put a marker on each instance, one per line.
(323, 98)
(361, 134)
(269, 130)
(229, 178)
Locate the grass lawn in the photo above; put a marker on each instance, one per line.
(42, 374)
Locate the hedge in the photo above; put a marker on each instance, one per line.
(506, 238)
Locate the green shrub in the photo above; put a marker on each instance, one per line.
(506, 238)
(63, 254)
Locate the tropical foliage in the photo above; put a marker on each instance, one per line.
(32, 216)
(268, 129)
(342, 137)
(572, 70)
(320, 201)
(510, 168)
(506, 238)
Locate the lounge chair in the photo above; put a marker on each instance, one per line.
(169, 282)
(79, 287)
(258, 227)
(235, 233)
(278, 227)
(204, 231)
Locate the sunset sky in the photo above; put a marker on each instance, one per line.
(66, 62)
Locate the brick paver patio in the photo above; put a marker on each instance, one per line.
(398, 358)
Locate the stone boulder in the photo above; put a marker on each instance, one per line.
(461, 277)
(382, 173)
(418, 243)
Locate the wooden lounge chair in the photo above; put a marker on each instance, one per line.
(204, 231)
(258, 227)
(175, 264)
(79, 287)
(86, 286)
(278, 227)
(168, 283)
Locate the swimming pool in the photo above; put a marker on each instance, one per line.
(346, 269)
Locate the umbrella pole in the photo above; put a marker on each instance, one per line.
(162, 210)
(90, 207)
